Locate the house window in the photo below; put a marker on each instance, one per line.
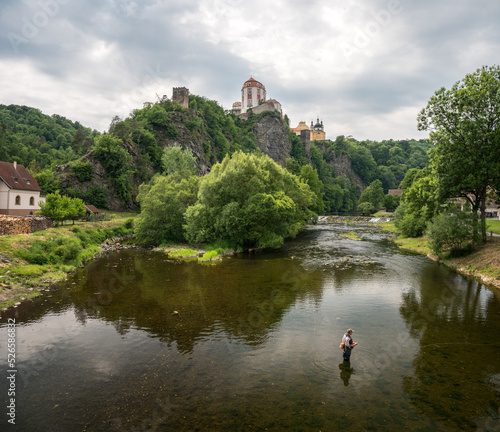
(18, 200)
(32, 201)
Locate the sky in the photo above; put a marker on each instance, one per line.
(363, 67)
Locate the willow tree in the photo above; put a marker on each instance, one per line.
(464, 127)
(248, 200)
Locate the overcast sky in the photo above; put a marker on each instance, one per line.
(364, 67)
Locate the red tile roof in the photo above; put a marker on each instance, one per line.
(395, 192)
(253, 83)
(92, 208)
(18, 177)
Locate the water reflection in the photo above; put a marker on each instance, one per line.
(135, 341)
(453, 323)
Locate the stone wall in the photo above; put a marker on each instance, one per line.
(23, 224)
(180, 95)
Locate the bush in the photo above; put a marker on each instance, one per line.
(452, 232)
(366, 209)
(83, 171)
(410, 224)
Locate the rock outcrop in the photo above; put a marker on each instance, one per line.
(272, 136)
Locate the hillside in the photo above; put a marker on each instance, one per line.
(106, 169)
(37, 140)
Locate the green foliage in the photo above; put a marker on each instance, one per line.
(157, 115)
(36, 140)
(175, 159)
(452, 232)
(366, 208)
(310, 176)
(373, 194)
(410, 224)
(68, 250)
(117, 162)
(83, 171)
(464, 128)
(386, 161)
(163, 206)
(47, 181)
(61, 208)
(250, 201)
(391, 202)
(97, 196)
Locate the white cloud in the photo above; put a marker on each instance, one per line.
(365, 67)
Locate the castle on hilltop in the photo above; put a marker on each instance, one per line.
(253, 98)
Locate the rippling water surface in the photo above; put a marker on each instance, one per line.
(136, 342)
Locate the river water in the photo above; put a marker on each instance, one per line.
(138, 342)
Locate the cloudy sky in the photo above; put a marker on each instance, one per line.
(364, 67)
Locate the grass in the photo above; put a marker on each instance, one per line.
(351, 235)
(24, 270)
(493, 225)
(483, 263)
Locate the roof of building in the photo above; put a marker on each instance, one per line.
(92, 209)
(15, 176)
(395, 191)
(253, 83)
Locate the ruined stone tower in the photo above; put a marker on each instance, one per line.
(180, 95)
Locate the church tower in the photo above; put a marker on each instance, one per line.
(317, 131)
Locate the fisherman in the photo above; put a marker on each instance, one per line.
(348, 344)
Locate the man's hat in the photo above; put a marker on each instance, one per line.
(350, 330)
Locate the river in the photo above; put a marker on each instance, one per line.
(135, 341)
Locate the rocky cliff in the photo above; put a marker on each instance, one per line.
(272, 137)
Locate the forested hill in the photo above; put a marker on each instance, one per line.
(37, 140)
(107, 169)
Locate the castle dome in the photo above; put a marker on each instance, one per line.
(253, 83)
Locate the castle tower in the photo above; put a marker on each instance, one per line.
(252, 93)
(180, 95)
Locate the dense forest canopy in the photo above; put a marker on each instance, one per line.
(36, 140)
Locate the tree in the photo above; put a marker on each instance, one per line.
(163, 206)
(175, 159)
(310, 176)
(452, 231)
(75, 208)
(464, 124)
(248, 200)
(366, 209)
(373, 194)
(391, 202)
(60, 207)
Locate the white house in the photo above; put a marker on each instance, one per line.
(19, 190)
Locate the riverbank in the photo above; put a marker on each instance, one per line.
(483, 264)
(21, 280)
(31, 263)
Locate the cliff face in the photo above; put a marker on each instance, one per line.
(342, 166)
(187, 129)
(272, 136)
(194, 139)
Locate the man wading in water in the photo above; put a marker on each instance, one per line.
(348, 344)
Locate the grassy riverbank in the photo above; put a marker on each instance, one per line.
(482, 264)
(31, 263)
